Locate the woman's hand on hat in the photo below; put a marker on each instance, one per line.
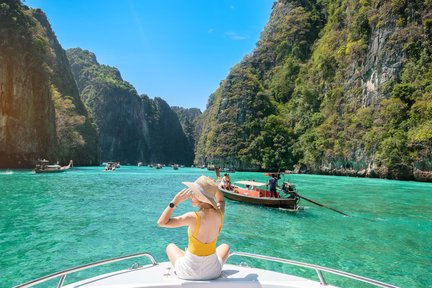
(181, 196)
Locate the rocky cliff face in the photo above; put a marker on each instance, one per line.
(336, 87)
(169, 142)
(41, 114)
(188, 118)
(131, 128)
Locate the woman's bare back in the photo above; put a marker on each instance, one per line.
(210, 224)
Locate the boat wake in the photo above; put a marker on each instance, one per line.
(299, 208)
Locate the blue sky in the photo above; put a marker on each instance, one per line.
(174, 49)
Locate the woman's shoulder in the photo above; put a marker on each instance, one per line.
(190, 215)
(217, 214)
(193, 213)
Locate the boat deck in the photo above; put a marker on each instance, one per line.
(163, 275)
(233, 276)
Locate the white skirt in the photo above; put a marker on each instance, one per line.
(192, 267)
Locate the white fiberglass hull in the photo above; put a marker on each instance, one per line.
(163, 275)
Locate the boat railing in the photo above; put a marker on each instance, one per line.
(318, 269)
(63, 274)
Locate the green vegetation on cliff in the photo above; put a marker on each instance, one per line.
(131, 128)
(341, 87)
(188, 120)
(42, 115)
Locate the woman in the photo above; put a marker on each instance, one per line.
(226, 182)
(202, 260)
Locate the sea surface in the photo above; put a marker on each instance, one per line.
(51, 222)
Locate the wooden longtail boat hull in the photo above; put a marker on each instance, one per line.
(49, 170)
(52, 168)
(264, 201)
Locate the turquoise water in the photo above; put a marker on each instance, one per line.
(51, 222)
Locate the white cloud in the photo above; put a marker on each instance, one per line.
(235, 36)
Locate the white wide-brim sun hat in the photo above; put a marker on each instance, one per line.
(204, 189)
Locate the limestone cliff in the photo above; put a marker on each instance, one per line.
(188, 118)
(169, 142)
(338, 87)
(41, 114)
(131, 128)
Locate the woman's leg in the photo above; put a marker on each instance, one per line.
(223, 251)
(174, 253)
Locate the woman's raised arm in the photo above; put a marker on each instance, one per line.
(165, 219)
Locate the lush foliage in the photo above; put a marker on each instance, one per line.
(131, 128)
(344, 86)
(188, 119)
(41, 94)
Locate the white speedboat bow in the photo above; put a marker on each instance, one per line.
(233, 276)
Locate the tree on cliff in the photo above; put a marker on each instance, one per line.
(345, 87)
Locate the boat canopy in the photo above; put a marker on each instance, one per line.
(251, 183)
(275, 173)
(53, 166)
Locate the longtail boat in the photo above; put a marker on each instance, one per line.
(44, 167)
(252, 194)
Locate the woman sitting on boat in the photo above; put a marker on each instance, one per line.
(226, 182)
(202, 260)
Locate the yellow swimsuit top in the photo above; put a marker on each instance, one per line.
(197, 247)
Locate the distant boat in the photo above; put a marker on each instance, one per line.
(44, 167)
(159, 166)
(175, 166)
(140, 164)
(111, 166)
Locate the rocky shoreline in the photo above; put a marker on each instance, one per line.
(415, 175)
